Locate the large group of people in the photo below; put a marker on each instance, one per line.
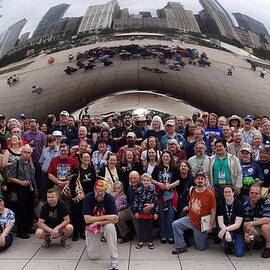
(123, 176)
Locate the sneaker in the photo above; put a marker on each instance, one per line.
(114, 264)
(177, 251)
(266, 253)
(45, 244)
(65, 243)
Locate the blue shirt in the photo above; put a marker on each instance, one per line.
(46, 157)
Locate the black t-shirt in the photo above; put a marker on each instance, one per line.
(230, 212)
(88, 179)
(266, 172)
(93, 207)
(54, 216)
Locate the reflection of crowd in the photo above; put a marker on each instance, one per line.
(121, 176)
(13, 80)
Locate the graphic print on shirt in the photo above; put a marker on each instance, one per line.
(195, 206)
(52, 215)
(63, 171)
(98, 211)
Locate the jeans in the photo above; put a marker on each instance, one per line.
(166, 220)
(237, 245)
(183, 224)
(9, 240)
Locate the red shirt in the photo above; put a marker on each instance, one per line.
(61, 168)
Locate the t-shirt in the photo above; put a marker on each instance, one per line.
(54, 215)
(61, 168)
(95, 208)
(7, 219)
(221, 171)
(200, 204)
(230, 212)
(265, 167)
(87, 178)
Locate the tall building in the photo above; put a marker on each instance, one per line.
(178, 18)
(250, 24)
(145, 14)
(24, 37)
(100, 16)
(10, 37)
(50, 19)
(217, 20)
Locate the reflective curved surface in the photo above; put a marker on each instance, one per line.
(208, 88)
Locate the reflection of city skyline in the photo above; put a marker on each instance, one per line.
(78, 9)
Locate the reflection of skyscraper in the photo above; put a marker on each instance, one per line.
(250, 24)
(214, 13)
(47, 24)
(178, 18)
(100, 16)
(10, 37)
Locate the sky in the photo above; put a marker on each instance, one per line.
(33, 10)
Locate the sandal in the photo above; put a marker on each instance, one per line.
(151, 245)
(139, 245)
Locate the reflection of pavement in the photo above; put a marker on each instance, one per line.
(206, 88)
(25, 254)
(135, 100)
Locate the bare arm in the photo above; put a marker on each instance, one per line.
(102, 219)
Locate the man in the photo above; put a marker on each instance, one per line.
(222, 122)
(37, 141)
(131, 145)
(3, 131)
(22, 174)
(248, 130)
(60, 167)
(171, 134)
(47, 155)
(69, 132)
(198, 137)
(257, 219)
(224, 169)
(235, 147)
(82, 137)
(141, 124)
(119, 134)
(227, 133)
(200, 162)
(100, 215)
(181, 124)
(201, 203)
(127, 216)
(54, 221)
(257, 122)
(266, 132)
(205, 117)
(264, 164)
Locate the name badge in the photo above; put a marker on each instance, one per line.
(221, 178)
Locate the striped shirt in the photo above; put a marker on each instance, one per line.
(259, 210)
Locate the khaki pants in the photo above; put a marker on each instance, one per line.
(93, 243)
(124, 217)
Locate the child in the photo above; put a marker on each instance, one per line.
(119, 196)
(145, 195)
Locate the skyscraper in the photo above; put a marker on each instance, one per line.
(178, 18)
(214, 13)
(50, 19)
(250, 24)
(10, 37)
(100, 16)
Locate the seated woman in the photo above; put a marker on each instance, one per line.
(230, 216)
(7, 221)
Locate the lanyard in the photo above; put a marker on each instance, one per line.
(221, 163)
(229, 212)
(202, 163)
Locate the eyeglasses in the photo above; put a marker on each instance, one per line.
(254, 193)
(100, 191)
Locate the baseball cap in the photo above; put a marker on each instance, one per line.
(101, 183)
(141, 119)
(265, 148)
(131, 134)
(248, 149)
(202, 173)
(248, 118)
(170, 122)
(57, 133)
(65, 113)
(22, 116)
(2, 116)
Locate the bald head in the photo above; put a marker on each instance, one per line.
(134, 178)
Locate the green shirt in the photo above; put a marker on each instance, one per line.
(221, 171)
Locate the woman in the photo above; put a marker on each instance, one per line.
(156, 128)
(165, 179)
(230, 216)
(128, 164)
(151, 161)
(13, 152)
(212, 130)
(257, 143)
(190, 127)
(7, 221)
(99, 157)
(43, 127)
(50, 122)
(111, 172)
(106, 135)
(177, 153)
(151, 142)
(185, 182)
(87, 174)
(86, 122)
